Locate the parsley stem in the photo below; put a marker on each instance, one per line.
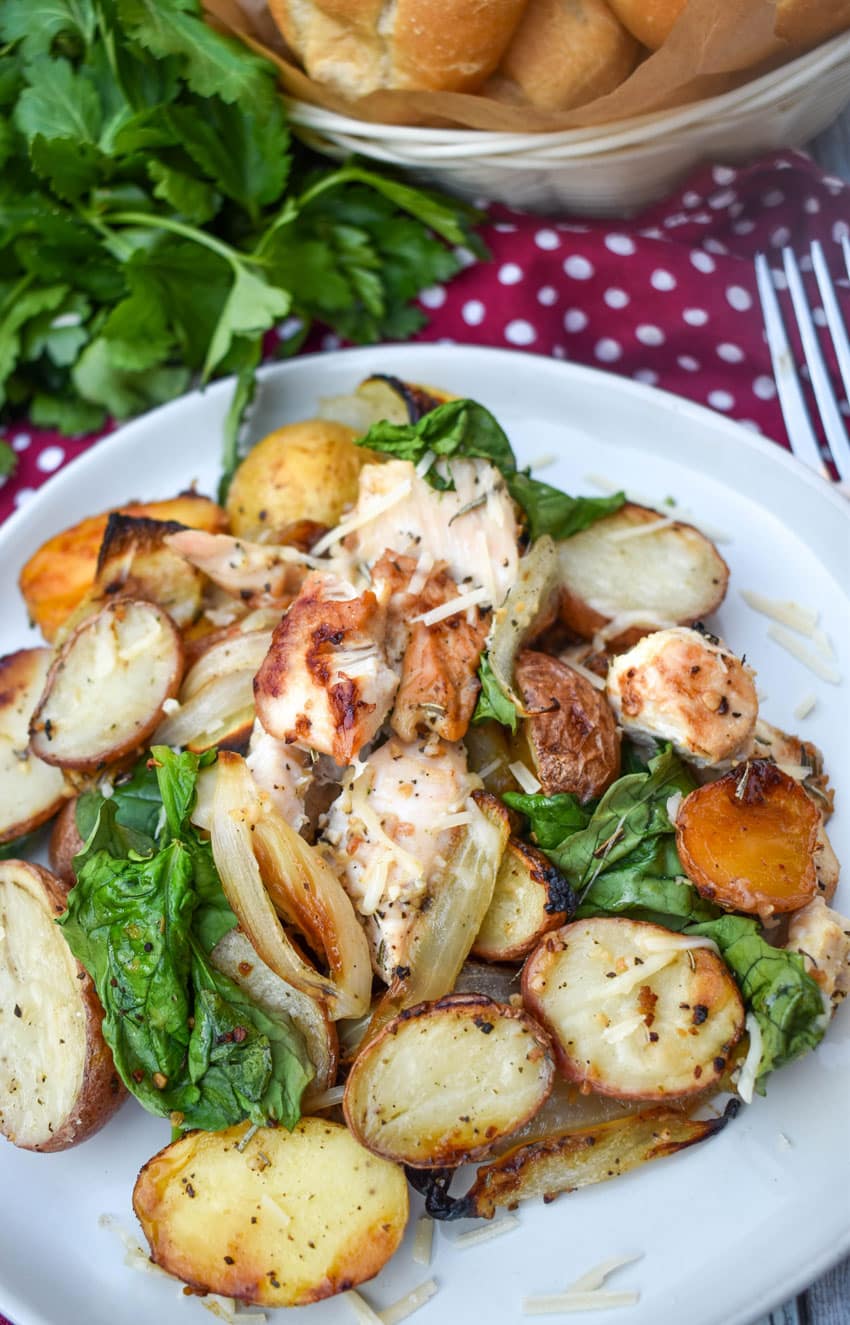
(150, 219)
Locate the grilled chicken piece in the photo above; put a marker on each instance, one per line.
(284, 771)
(473, 528)
(390, 836)
(325, 684)
(822, 937)
(251, 571)
(439, 669)
(682, 686)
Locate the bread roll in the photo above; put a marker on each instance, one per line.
(563, 54)
(805, 23)
(649, 20)
(361, 46)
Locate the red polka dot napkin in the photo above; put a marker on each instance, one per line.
(668, 297)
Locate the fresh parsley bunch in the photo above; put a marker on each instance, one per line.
(156, 220)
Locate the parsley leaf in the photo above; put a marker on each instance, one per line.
(59, 103)
(252, 306)
(38, 23)
(8, 460)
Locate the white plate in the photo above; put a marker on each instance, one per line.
(728, 1229)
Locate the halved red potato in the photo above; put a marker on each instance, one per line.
(65, 843)
(634, 1011)
(105, 691)
(236, 957)
(291, 1218)
(59, 575)
(642, 570)
(135, 560)
(685, 687)
(748, 840)
(444, 1081)
(30, 791)
(572, 741)
(58, 1084)
(531, 897)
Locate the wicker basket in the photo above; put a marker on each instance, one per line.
(613, 169)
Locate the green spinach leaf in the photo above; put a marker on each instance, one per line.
(492, 700)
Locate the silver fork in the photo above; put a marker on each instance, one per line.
(801, 435)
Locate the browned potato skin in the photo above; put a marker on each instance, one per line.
(302, 471)
(365, 1256)
(65, 842)
(481, 1009)
(573, 740)
(578, 616)
(103, 1091)
(546, 885)
(580, 1158)
(15, 679)
(59, 575)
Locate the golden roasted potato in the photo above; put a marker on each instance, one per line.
(444, 1081)
(614, 575)
(686, 687)
(634, 1011)
(571, 743)
(748, 840)
(302, 471)
(59, 575)
(58, 1084)
(65, 842)
(383, 397)
(530, 898)
(292, 1218)
(135, 560)
(105, 691)
(31, 791)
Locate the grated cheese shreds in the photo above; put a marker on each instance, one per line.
(544, 461)
(423, 1241)
(379, 507)
(412, 1301)
(676, 943)
(560, 1303)
(362, 1311)
(750, 1066)
(641, 530)
(621, 1030)
(674, 804)
(799, 772)
(474, 598)
(326, 1100)
(595, 1277)
(783, 610)
(459, 820)
(485, 772)
(425, 464)
(525, 777)
(598, 682)
(814, 661)
(419, 578)
(476, 1235)
(623, 621)
(805, 706)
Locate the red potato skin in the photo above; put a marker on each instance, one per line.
(65, 842)
(573, 741)
(103, 1091)
(15, 679)
(39, 742)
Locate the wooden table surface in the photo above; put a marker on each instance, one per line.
(827, 1302)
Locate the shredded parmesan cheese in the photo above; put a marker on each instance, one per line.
(621, 1030)
(326, 1100)
(623, 621)
(419, 578)
(814, 661)
(799, 772)
(485, 772)
(595, 1277)
(494, 1230)
(423, 1241)
(425, 464)
(525, 777)
(412, 1301)
(170, 706)
(379, 507)
(674, 804)
(459, 820)
(676, 943)
(560, 1303)
(455, 605)
(598, 682)
(544, 461)
(805, 706)
(750, 1066)
(641, 530)
(786, 612)
(362, 1311)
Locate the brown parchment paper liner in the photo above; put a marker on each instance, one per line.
(715, 46)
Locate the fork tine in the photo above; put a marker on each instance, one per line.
(803, 441)
(833, 424)
(833, 313)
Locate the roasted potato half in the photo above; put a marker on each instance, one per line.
(292, 1218)
(65, 843)
(531, 897)
(135, 560)
(686, 687)
(236, 957)
(303, 471)
(31, 791)
(58, 1084)
(571, 742)
(634, 1011)
(105, 691)
(749, 840)
(443, 1081)
(639, 568)
(59, 575)
(382, 397)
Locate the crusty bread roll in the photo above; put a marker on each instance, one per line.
(806, 23)
(649, 20)
(563, 54)
(360, 46)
